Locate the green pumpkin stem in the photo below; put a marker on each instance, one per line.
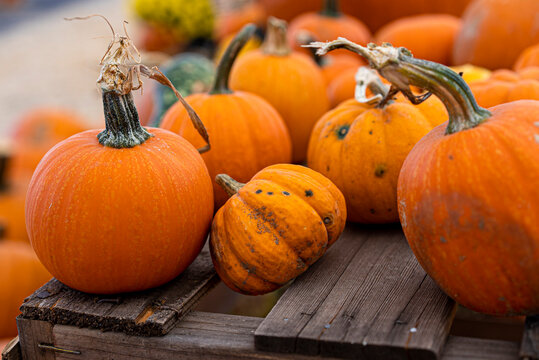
(220, 85)
(401, 69)
(275, 42)
(331, 8)
(230, 185)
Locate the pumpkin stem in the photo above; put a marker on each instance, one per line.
(305, 37)
(366, 78)
(220, 85)
(331, 8)
(230, 185)
(275, 42)
(401, 69)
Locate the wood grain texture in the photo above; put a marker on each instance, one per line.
(148, 313)
(367, 298)
(12, 351)
(31, 334)
(463, 348)
(529, 348)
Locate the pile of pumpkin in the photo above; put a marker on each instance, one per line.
(128, 208)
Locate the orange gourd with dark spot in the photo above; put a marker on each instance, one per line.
(274, 227)
(428, 36)
(327, 24)
(247, 133)
(21, 274)
(120, 210)
(528, 58)
(495, 32)
(289, 81)
(361, 148)
(505, 85)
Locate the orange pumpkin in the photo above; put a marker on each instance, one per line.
(123, 209)
(427, 36)
(158, 38)
(290, 81)
(274, 227)
(36, 133)
(247, 132)
(495, 32)
(361, 146)
(327, 24)
(467, 192)
(342, 87)
(20, 274)
(528, 58)
(231, 20)
(471, 73)
(505, 86)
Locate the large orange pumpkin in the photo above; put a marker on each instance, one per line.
(467, 192)
(290, 81)
(123, 209)
(327, 24)
(36, 133)
(20, 274)
(274, 227)
(361, 146)
(495, 32)
(247, 132)
(427, 36)
(528, 58)
(505, 86)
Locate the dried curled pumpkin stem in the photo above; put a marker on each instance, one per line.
(401, 69)
(230, 185)
(275, 42)
(367, 78)
(120, 66)
(220, 85)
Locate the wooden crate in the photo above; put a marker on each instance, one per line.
(367, 298)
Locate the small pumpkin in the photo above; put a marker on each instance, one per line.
(274, 227)
(495, 32)
(528, 58)
(505, 86)
(471, 73)
(122, 209)
(247, 133)
(361, 145)
(467, 192)
(327, 24)
(427, 36)
(290, 81)
(21, 274)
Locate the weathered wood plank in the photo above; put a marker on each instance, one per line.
(12, 351)
(198, 335)
(32, 333)
(370, 299)
(529, 348)
(147, 313)
(463, 348)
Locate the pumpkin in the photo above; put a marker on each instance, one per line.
(289, 80)
(505, 86)
(327, 24)
(528, 58)
(3, 343)
(427, 36)
(274, 227)
(495, 32)
(20, 274)
(342, 87)
(152, 37)
(36, 132)
(232, 16)
(361, 145)
(254, 43)
(467, 192)
(247, 133)
(122, 209)
(471, 73)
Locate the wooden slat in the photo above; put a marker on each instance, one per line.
(463, 348)
(198, 336)
(148, 313)
(31, 334)
(12, 351)
(366, 298)
(529, 348)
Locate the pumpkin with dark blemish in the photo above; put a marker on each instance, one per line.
(259, 242)
(366, 146)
